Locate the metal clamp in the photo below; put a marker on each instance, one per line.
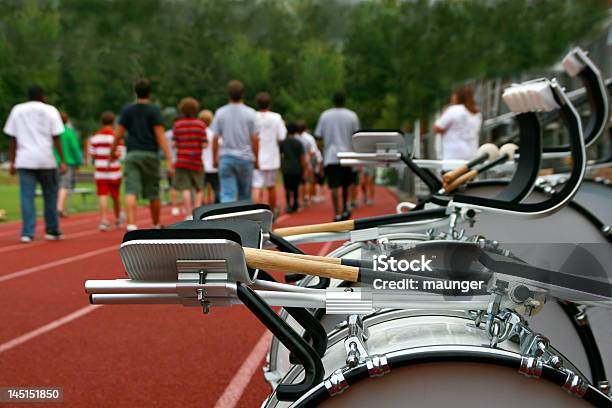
(355, 342)
(336, 383)
(575, 385)
(377, 365)
(604, 386)
(531, 367)
(348, 301)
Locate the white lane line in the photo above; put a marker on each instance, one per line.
(47, 327)
(67, 236)
(60, 262)
(238, 384)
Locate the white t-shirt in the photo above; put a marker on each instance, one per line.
(33, 125)
(460, 137)
(310, 146)
(271, 130)
(207, 153)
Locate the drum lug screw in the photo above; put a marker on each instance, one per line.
(556, 362)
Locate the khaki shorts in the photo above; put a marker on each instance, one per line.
(185, 179)
(141, 174)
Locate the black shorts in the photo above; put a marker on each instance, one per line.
(213, 180)
(338, 176)
(291, 181)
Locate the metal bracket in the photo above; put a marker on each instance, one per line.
(336, 383)
(367, 234)
(348, 301)
(355, 342)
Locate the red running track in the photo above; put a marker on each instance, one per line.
(126, 356)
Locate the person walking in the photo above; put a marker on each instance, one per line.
(107, 172)
(143, 123)
(174, 209)
(34, 128)
(189, 138)
(74, 159)
(313, 157)
(271, 131)
(293, 163)
(236, 157)
(336, 127)
(211, 173)
(459, 125)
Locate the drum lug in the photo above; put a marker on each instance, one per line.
(531, 367)
(336, 383)
(574, 384)
(604, 386)
(377, 365)
(355, 342)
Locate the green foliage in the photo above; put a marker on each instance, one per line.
(397, 60)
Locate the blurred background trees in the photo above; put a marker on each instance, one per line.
(397, 60)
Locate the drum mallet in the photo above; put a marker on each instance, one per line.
(364, 223)
(506, 153)
(487, 151)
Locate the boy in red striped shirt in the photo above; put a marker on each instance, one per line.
(189, 136)
(108, 173)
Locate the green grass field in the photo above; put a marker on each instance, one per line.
(9, 198)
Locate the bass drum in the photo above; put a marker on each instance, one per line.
(431, 359)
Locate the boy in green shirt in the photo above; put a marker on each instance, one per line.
(73, 159)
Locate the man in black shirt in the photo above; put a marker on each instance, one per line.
(145, 136)
(292, 166)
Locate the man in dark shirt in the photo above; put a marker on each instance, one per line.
(292, 166)
(145, 136)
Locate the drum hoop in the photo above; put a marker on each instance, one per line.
(442, 353)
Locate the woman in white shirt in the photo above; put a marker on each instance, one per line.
(459, 125)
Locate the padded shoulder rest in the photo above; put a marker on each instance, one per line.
(244, 232)
(226, 208)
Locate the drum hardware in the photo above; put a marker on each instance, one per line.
(604, 386)
(575, 385)
(377, 365)
(336, 383)
(531, 367)
(355, 342)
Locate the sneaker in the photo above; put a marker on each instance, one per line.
(54, 236)
(189, 218)
(158, 226)
(338, 218)
(25, 239)
(346, 215)
(103, 226)
(131, 227)
(175, 211)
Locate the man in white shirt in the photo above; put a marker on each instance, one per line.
(34, 128)
(271, 130)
